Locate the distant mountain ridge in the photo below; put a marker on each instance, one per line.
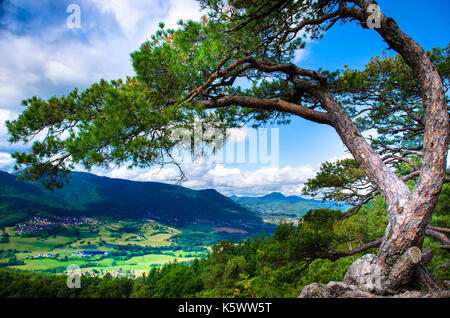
(90, 195)
(276, 203)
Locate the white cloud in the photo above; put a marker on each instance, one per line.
(53, 63)
(4, 116)
(182, 9)
(300, 55)
(292, 189)
(19, 65)
(336, 158)
(124, 12)
(207, 174)
(32, 67)
(130, 13)
(155, 174)
(204, 174)
(58, 72)
(136, 16)
(220, 171)
(237, 135)
(370, 134)
(6, 162)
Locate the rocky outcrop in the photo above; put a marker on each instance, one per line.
(331, 290)
(343, 290)
(364, 275)
(368, 275)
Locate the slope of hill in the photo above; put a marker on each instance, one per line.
(90, 195)
(279, 206)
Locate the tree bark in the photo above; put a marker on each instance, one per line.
(409, 212)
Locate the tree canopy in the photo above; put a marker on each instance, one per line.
(384, 100)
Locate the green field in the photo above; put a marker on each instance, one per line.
(108, 236)
(139, 264)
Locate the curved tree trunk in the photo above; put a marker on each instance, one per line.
(399, 256)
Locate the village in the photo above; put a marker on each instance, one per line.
(38, 223)
(89, 253)
(114, 273)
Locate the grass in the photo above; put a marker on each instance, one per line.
(34, 244)
(102, 237)
(138, 262)
(148, 234)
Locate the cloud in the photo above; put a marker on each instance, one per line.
(58, 72)
(4, 116)
(131, 14)
(237, 135)
(228, 180)
(370, 134)
(336, 158)
(40, 56)
(153, 175)
(301, 54)
(6, 162)
(181, 9)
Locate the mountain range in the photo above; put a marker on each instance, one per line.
(280, 206)
(90, 195)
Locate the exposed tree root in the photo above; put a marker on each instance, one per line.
(407, 278)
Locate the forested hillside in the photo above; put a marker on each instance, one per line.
(90, 195)
(275, 206)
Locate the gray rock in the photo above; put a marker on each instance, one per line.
(330, 290)
(365, 275)
(314, 291)
(339, 288)
(342, 290)
(410, 294)
(359, 294)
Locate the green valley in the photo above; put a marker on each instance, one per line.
(129, 248)
(137, 225)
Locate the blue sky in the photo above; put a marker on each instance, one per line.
(40, 56)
